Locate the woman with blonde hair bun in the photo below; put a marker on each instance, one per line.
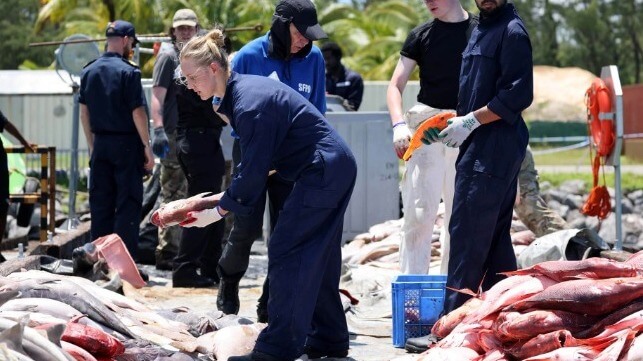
(280, 130)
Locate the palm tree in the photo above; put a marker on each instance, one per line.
(371, 38)
(91, 16)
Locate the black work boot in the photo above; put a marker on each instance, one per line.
(228, 296)
(420, 344)
(188, 277)
(262, 305)
(314, 353)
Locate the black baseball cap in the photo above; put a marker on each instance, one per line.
(303, 15)
(121, 28)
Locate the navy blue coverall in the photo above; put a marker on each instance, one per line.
(497, 72)
(111, 88)
(279, 129)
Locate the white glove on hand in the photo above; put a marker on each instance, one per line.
(401, 138)
(458, 130)
(202, 218)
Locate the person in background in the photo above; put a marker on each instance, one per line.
(531, 208)
(285, 54)
(304, 253)
(200, 155)
(112, 112)
(496, 85)
(436, 48)
(5, 124)
(164, 118)
(340, 80)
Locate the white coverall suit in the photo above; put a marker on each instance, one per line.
(429, 176)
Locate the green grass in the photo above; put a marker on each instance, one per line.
(629, 181)
(573, 157)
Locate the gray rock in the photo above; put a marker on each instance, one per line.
(545, 186)
(573, 201)
(554, 205)
(574, 215)
(577, 223)
(627, 206)
(555, 195)
(573, 187)
(637, 194)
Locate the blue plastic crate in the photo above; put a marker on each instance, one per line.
(417, 302)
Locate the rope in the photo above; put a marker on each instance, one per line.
(562, 149)
(598, 203)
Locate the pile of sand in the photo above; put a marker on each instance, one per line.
(559, 94)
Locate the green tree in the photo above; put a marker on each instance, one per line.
(16, 22)
(91, 16)
(538, 16)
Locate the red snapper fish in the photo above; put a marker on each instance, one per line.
(635, 349)
(576, 353)
(542, 344)
(524, 326)
(596, 268)
(175, 212)
(636, 260)
(587, 296)
(448, 322)
(610, 321)
(507, 292)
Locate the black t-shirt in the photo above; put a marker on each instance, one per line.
(437, 48)
(195, 112)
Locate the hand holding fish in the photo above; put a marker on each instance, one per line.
(177, 211)
(203, 218)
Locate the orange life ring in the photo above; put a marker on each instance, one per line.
(600, 117)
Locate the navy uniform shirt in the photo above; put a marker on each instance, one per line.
(278, 129)
(349, 86)
(111, 88)
(497, 71)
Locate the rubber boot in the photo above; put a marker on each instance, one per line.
(228, 295)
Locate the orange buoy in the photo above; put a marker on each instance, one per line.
(600, 117)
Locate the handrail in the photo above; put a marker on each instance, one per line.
(47, 192)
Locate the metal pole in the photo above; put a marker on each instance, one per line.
(618, 146)
(143, 37)
(613, 82)
(72, 221)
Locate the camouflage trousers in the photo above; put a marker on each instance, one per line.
(531, 208)
(173, 186)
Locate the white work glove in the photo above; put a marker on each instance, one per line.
(202, 218)
(401, 138)
(458, 129)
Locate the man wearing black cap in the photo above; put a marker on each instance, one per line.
(286, 54)
(112, 111)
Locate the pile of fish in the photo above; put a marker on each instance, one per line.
(558, 310)
(380, 246)
(45, 316)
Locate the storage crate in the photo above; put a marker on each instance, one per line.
(417, 302)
